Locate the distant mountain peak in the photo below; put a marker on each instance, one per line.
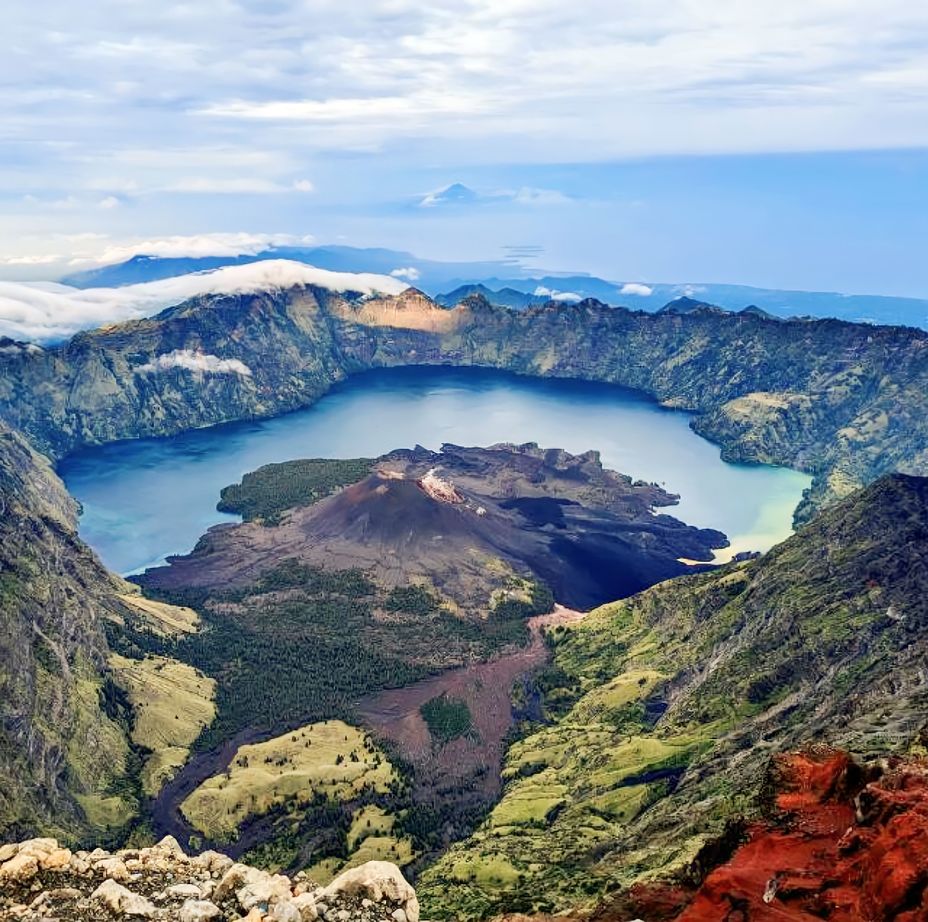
(687, 305)
(455, 194)
(755, 311)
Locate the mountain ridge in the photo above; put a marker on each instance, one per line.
(438, 278)
(846, 402)
(841, 401)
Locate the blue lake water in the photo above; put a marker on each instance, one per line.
(146, 499)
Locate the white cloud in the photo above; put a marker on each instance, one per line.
(109, 202)
(194, 245)
(304, 185)
(199, 362)
(416, 106)
(568, 296)
(88, 250)
(636, 288)
(208, 185)
(471, 79)
(48, 311)
(132, 99)
(410, 273)
(65, 203)
(36, 259)
(688, 291)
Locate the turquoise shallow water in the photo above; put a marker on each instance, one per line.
(149, 498)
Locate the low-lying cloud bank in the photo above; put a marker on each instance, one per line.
(202, 362)
(92, 250)
(194, 245)
(49, 312)
(636, 288)
(569, 297)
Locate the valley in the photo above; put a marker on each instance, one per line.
(464, 461)
(468, 763)
(671, 705)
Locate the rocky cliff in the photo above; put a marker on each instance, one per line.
(845, 402)
(63, 748)
(79, 745)
(838, 839)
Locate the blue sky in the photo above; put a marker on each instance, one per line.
(771, 143)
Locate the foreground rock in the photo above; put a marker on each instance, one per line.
(844, 841)
(39, 880)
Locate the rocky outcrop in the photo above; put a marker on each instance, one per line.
(41, 880)
(844, 841)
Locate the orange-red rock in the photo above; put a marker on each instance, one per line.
(842, 846)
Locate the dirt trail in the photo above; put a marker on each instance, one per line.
(485, 687)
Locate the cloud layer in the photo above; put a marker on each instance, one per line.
(133, 118)
(46, 312)
(636, 288)
(237, 96)
(567, 296)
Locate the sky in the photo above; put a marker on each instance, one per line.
(781, 144)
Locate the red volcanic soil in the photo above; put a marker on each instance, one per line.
(841, 847)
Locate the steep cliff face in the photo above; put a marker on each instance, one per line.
(63, 753)
(208, 361)
(670, 705)
(841, 841)
(845, 402)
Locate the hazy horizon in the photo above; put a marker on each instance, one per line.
(777, 146)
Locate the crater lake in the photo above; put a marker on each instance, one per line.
(146, 499)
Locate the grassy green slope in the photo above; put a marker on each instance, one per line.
(671, 703)
(304, 644)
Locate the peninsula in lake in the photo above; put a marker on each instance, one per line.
(461, 521)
